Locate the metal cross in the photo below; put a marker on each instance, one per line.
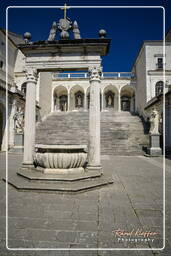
(65, 9)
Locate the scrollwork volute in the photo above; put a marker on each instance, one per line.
(95, 73)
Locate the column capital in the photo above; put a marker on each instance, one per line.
(95, 73)
(31, 75)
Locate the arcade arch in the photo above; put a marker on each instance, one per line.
(127, 95)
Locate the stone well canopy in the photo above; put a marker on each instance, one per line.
(77, 54)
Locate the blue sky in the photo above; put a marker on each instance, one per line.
(127, 27)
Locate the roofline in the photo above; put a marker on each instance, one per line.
(4, 32)
(144, 43)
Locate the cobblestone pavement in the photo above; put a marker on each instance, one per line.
(91, 219)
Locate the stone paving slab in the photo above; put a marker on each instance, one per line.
(90, 219)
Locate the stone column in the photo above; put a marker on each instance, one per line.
(102, 101)
(119, 101)
(85, 101)
(30, 118)
(68, 101)
(94, 161)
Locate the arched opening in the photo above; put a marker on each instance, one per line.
(125, 103)
(159, 88)
(60, 99)
(128, 99)
(110, 98)
(77, 100)
(23, 88)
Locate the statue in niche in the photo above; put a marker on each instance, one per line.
(52, 33)
(19, 121)
(109, 101)
(79, 101)
(154, 122)
(65, 106)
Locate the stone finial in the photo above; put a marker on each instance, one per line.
(154, 122)
(95, 72)
(76, 30)
(52, 33)
(27, 37)
(102, 33)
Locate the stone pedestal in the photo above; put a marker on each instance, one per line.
(94, 161)
(154, 149)
(18, 143)
(30, 118)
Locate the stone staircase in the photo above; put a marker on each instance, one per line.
(121, 133)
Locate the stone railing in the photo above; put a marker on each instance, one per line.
(83, 75)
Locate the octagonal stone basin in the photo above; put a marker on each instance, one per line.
(60, 159)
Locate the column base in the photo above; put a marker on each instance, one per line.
(90, 168)
(27, 166)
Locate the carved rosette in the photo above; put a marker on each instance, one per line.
(31, 75)
(95, 73)
(60, 160)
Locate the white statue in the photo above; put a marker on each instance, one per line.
(19, 121)
(79, 101)
(109, 100)
(154, 122)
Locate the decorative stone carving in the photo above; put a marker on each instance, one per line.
(52, 33)
(31, 75)
(154, 122)
(19, 121)
(60, 160)
(95, 73)
(64, 25)
(76, 31)
(64, 159)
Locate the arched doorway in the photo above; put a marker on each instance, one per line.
(60, 99)
(128, 98)
(125, 103)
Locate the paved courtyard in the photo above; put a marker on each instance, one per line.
(93, 219)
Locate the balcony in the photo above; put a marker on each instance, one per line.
(85, 75)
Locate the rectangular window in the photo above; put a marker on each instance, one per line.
(159, 63)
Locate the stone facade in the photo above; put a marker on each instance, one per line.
(70, 91)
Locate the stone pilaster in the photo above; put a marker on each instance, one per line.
(94, 161)
(30, 118)
(119, 101)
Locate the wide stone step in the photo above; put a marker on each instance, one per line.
(121, 133)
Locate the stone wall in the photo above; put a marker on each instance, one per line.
(45, 93)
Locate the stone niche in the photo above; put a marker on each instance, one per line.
(60, 159)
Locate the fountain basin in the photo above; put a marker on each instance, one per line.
(60, 159)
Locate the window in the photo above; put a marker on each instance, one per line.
(159, 63)
(159, 88)
(1, 64)
(23, 88)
